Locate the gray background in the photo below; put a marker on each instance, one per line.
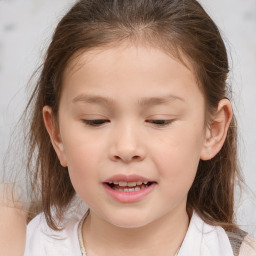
(25, 30)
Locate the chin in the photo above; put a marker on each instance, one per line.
(129, 224)
(129, 220)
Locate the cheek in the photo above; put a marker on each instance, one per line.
(83, 168)
(178, 168)
(82, 156)
(80, 147)
(177, 159)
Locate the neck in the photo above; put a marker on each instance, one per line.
(164, 236)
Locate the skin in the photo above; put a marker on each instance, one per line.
(162, 140)
(12, 226)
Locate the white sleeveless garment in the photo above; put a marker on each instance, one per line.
(201, 239)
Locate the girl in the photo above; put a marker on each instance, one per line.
(131, 116)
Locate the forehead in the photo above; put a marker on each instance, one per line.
(127, 68)
(145, 56)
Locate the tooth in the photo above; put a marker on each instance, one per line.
(143, 186)
(145, 182)
(137, 189)
(126, 190)
(131, 189)
(116, 182)
(122, 183)
(139, 182)
(131, 184)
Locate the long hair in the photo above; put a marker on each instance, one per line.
(180, 28)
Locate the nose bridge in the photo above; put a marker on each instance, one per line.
(127, 142)
(128, 135)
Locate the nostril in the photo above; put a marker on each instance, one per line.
(131, 158)
(128, 155)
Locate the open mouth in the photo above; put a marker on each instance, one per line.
(124, 186)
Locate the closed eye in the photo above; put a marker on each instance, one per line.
(160, 122)
(95, 122)
(99, 122)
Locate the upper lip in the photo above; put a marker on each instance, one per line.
(127, 178)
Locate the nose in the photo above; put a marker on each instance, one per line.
(126, 145)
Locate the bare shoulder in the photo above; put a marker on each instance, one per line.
(12, 226)
(248, 247)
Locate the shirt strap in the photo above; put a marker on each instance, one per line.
(236, 238)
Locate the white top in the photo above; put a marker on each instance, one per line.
(201, 239)
(43, 241)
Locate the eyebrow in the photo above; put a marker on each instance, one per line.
(158, 100)
(95, 99)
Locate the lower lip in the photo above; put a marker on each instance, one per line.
(128, 197)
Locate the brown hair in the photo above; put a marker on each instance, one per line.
(181, 28)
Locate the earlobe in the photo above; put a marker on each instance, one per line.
(217, 130)
(54, 134)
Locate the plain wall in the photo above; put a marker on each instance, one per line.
(25, 30)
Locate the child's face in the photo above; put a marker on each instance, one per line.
(151, 117)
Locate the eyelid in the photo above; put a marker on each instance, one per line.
(160, 122)
(95, 122)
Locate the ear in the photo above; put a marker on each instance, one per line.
(216, 132)
(54, 134)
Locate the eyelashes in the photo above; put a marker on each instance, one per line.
(101, 122)
(96, 122)
(160, 122)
